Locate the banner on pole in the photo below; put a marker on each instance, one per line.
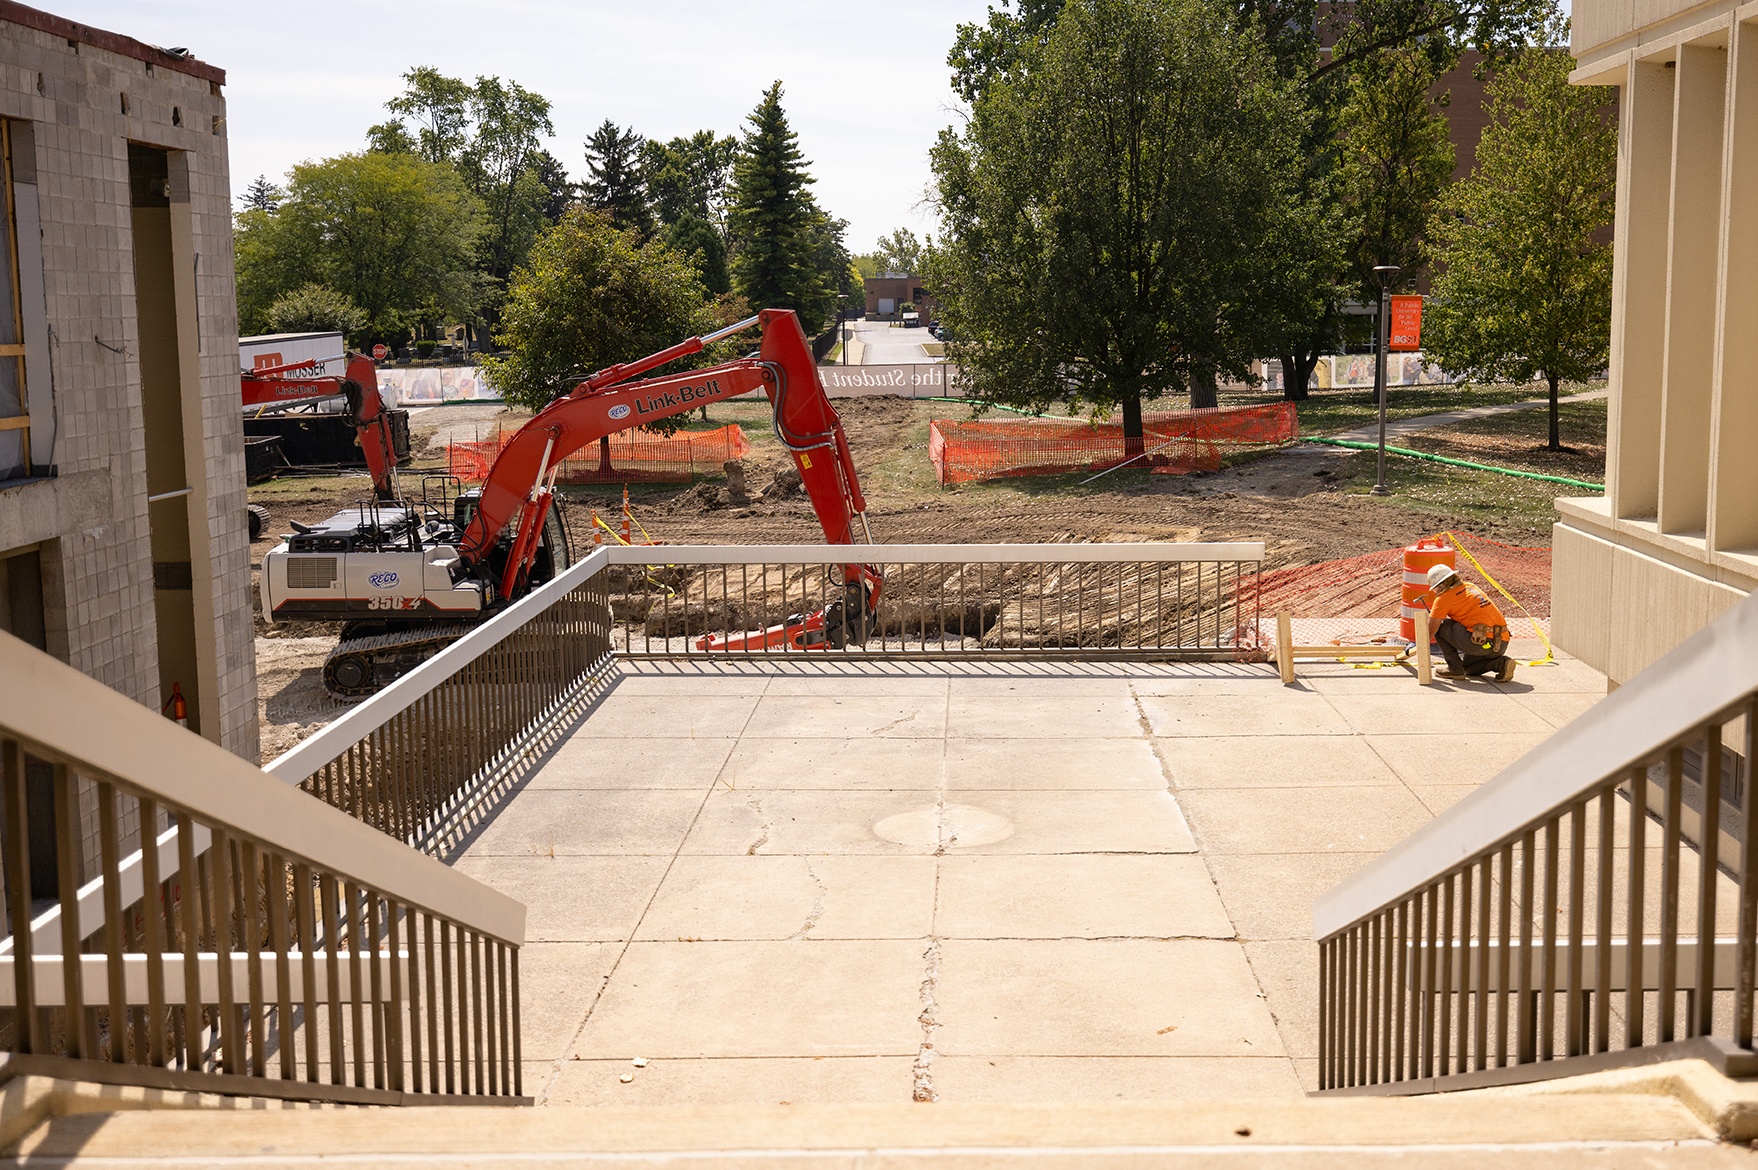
(1406, 331)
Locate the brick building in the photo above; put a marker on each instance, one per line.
(123, 548)
(888, 292)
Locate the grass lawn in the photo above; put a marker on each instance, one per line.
(1515, 440)
(1326, 412)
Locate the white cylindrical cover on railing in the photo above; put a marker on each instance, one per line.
(1708, 673)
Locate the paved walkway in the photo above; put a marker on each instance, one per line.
(1013, 882)
(1399, 428)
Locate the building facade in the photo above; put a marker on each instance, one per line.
(1674, 540)
(123, 547)
(888, 292)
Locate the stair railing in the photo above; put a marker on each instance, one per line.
(1594, 905)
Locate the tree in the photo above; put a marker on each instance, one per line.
(1322, 47)
(590, 296)
(1525, 283)
(312, 308)
(262, 195)
(502, 164)
(390, 137)
(440, 107)
(392, 233)
(613, 160)
(899, 252)
(699, 240)
(1113, 210)
(777, 229)
(1397, 159)
(1293, 32)
(560, 189)
(690, 177)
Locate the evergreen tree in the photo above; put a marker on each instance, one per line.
(262, 195)
(613, 160)
(561, 190)
(775, 226)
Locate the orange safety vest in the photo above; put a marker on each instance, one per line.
(1466, 604)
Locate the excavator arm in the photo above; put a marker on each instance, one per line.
(277, 388)
(521, 483)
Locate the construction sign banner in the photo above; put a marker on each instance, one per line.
(1406, 330)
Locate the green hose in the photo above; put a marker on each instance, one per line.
(1408, 453)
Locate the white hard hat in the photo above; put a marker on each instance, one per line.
(1438, 575)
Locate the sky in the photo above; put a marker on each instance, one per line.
(865, 86)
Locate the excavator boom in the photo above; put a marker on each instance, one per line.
(406, 582)
(519, 484)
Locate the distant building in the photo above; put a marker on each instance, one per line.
(123, 547)
(888, 292)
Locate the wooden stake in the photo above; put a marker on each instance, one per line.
(1285, 646)
(1424, 666)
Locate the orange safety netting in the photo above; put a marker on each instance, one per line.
(635, 457)
(1175, 442)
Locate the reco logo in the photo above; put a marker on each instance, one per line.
(383, 580)
(620, 410)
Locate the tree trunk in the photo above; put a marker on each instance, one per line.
(1555, 439)
(1296, 373)
(1133, 444)
(604, 454)
(1202, 388)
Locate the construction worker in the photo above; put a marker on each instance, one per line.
(1471, 631)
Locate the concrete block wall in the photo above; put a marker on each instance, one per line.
(80, 96)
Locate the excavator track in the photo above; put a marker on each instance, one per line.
(359, 668)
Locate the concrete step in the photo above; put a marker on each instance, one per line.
(1642, 1127)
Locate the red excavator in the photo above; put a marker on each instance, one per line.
(302, 386)
(406, 577)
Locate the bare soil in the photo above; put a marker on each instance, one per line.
(1294, 500)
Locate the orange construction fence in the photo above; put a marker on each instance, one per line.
(1174, 443)
(634, 457)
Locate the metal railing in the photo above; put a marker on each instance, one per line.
(1137, 602)
(260, 944)
(1594, 905)
(420, 759)
(425, 758)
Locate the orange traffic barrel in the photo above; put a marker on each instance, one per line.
(1418, 559)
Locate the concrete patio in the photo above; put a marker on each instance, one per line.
(966, 881)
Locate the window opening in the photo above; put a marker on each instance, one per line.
(15, 419)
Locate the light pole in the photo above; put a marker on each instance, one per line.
(842, 323)
(1385, 274)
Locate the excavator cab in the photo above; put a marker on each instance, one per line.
(553, 555)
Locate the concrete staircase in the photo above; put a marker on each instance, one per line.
(1680, 1116)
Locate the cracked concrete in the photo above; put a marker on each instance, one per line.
(817, 910)
(763, 825)
(1104, 891)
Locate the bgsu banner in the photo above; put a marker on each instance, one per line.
(1406, 329)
